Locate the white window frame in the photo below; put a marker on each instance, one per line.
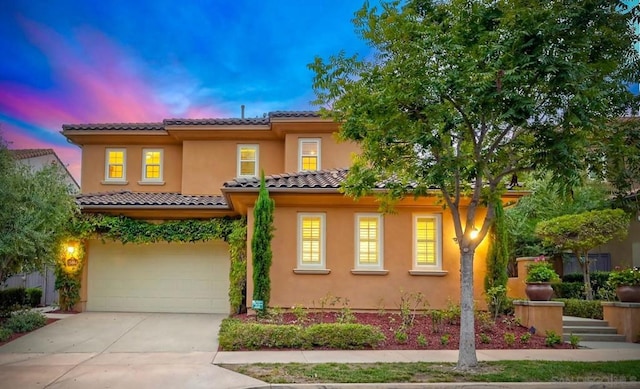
(323, 246)
(318, 143)
(380, 240)
(239, 160)
(144, 167)
(108, 179)
(438, 241)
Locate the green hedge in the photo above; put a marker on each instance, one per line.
(235, 334)
(598, 280)
(33, 297)
(582, 308)
(11, 299)
(569, 290)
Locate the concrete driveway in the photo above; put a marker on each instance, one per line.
(120, 350)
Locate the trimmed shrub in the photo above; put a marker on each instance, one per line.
(344, 336)
(582, 308)
(34, 295)
(5, 334)
(11, 299)
(235, 334)
(25, 321)
(569, 290)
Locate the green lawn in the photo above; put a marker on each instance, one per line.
(502, 371)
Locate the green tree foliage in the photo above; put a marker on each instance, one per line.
(547, 201)
(583, 232)
(261, 244)
(463, 94)
(35, 207)
(616, 159)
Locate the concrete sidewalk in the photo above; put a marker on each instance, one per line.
(604, 352)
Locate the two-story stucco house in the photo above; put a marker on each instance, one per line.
(324, 243)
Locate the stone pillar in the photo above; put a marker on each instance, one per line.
(624, 317)
(542, 315)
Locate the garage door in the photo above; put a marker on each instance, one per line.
(159, 277)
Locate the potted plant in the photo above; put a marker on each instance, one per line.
(540, 275)
(626, 283)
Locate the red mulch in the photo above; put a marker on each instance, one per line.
(16, 335)
(389, 323)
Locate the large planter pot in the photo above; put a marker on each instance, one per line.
(628, 293)
(539, 291)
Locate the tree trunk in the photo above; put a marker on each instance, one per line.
(587, 279)
(586, 276)
(467, 358)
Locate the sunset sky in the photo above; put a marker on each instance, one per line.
(81, 61)
(84, 61)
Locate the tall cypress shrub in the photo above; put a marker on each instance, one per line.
(261, 244)
(498, 256)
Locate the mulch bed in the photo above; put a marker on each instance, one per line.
(422, 328)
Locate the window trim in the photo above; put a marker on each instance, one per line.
(380, 242)
(115, 180)
(438, 241)
(145, 180)
(254, 146)
(323, 242)
(318, 142)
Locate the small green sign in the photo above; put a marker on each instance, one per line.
(257, 304)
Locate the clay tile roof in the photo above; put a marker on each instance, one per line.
(294, 114)
(326, 179)
(30, 153)
(127, 198)
(218, 122)
(115, 126)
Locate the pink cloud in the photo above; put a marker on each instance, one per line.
(93, 81)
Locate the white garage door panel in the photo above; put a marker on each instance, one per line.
(160, 277)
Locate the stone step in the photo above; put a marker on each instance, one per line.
(596, 337)
(588, 330)
(577, 321)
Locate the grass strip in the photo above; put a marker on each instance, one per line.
(499, 371)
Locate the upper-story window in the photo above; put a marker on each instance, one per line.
(152, 161)
(247, 160)
(427, 237)
(309, 154)
(115, 165)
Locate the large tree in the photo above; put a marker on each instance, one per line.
(35, 208)
(465, 94)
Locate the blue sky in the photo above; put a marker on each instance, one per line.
(78, 61)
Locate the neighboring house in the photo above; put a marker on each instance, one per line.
(37, 159)
(324, 243)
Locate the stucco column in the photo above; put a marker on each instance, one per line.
(625, 317)
(516, 285)
(542, 315)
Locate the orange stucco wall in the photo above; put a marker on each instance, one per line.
(93, 169)
(333, 154)
(208, 164)
(362, 291)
